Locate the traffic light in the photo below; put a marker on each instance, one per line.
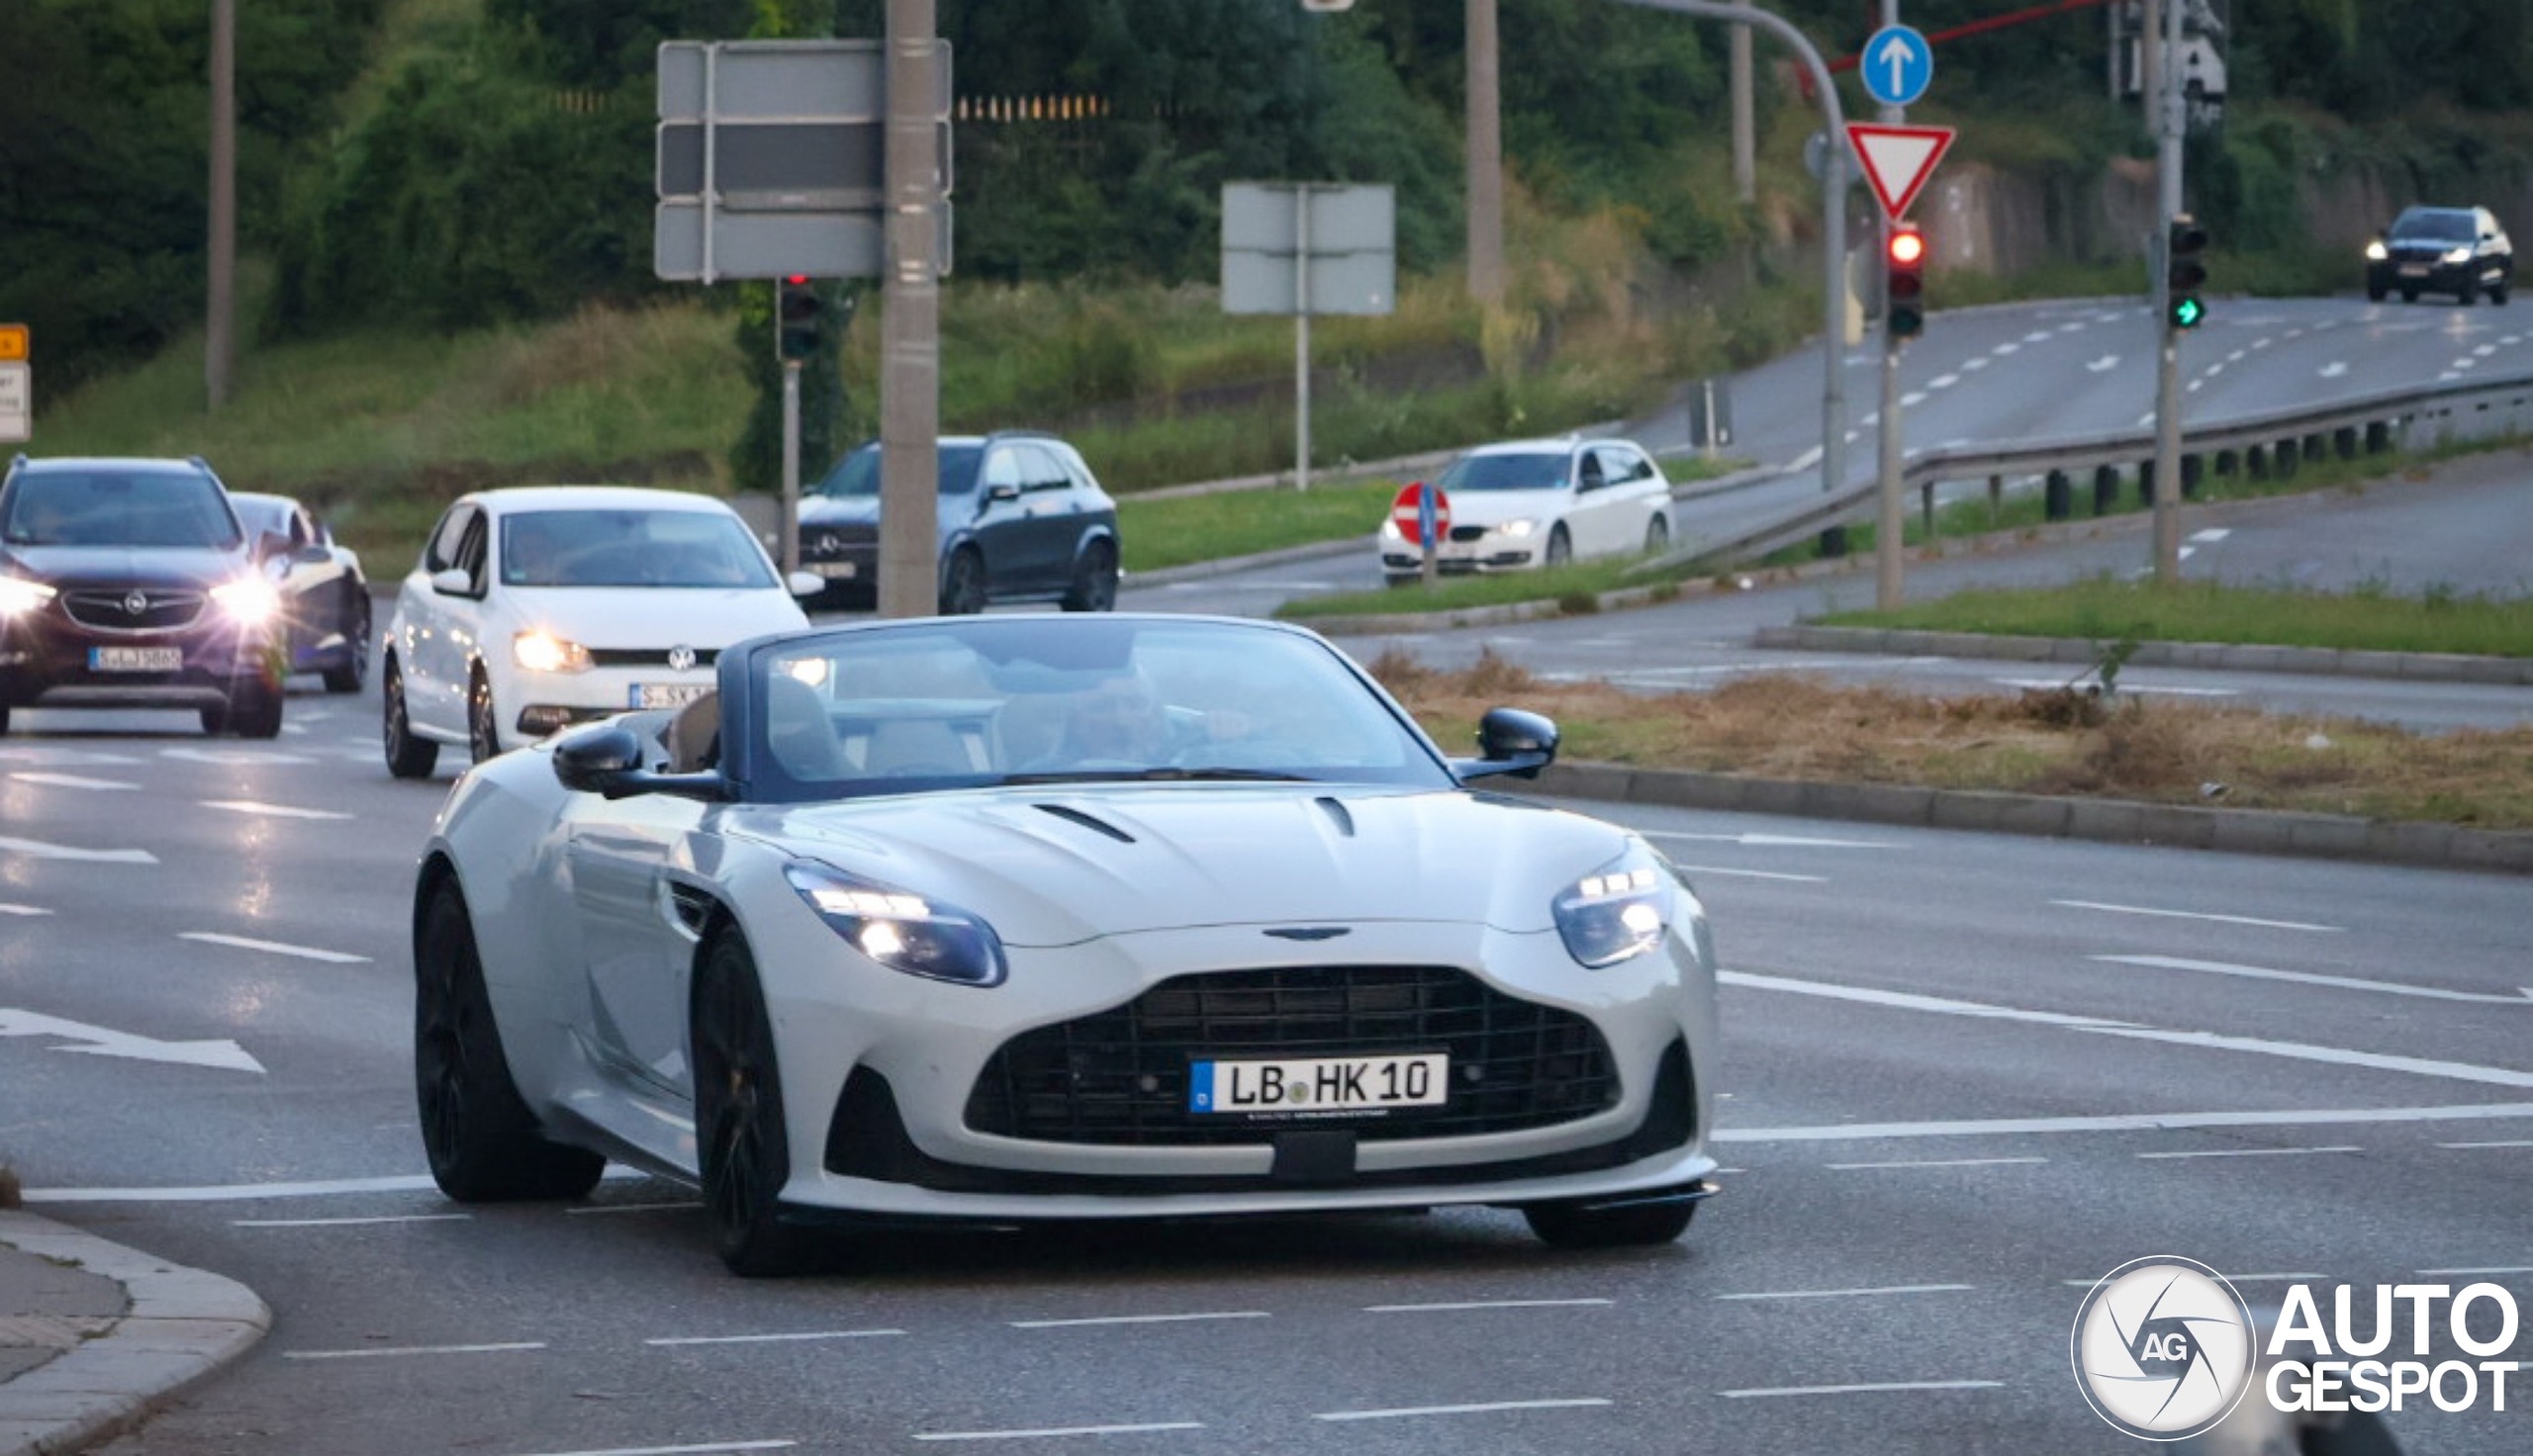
(2184, 273)
(797, 319)
(1904, 314)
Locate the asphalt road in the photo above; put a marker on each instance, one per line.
(1893, 1267)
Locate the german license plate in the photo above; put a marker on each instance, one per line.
(136, 658)
(2413, 270)
(667, 694)
(1319, 1083)
(837, 570)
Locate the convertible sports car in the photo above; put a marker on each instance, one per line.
(1002, 917)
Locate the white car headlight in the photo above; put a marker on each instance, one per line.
(1517, 528)
(902, 930)
(1618, 911)
(2375, 252)
(1391, 532)
(543, 652)
(249, 600)
(2458, 255)
(18, 596)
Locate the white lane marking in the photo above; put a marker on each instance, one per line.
(2213, 370)
(2198, 915)
(760, 1339)
(1139, 1319)
(636, 1207)
(277, 948)
(2236, 357)
(2211, 536)
(39, 850)
(232, 758)
(702, 1450)
(2146, 419)
(2485, 350)
(223, 1056)
(2038, 337)
(1850, 1390)
(2501, 1269)
(274, 811)
(1782, 841)
(1478, 1410)
(74, 781)
(508, 1349)
(1056, 1431)
(2233, 1278)
(60, 756)
(1913, 399)
(2455, 1071)
(2002, 350)
(1480, 1304)
(1750, 873)
(1938, 1162)
(6, 909)
(227, 1192)
(348, 1223)
(1909, 1000)
(2466, 362)
(2524, 997)
(2117, 1123)
(2186, 552)
(2262, 342)
(1970, 366)
(2500, 1143)
(2103, 365)
(2247, 1151)
(2448, 377)
(1944, 380)
(1843, 1294)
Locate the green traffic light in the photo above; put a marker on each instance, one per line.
(2187, 312)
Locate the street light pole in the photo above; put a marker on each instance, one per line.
(219, 301)
(2164, 86)
(1485, 156)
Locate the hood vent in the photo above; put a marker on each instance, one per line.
(1090, 822)
(1337, 815)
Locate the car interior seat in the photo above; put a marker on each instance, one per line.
(799, 732)
(694, 737)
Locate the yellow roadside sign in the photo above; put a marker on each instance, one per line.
(13, 342)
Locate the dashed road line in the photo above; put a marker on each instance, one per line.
(2198, 915)
(1852, 1390)
(2524, 997)
(1846, 1294)
(2496, 1143)
(2146, 1122)
(1464, 1305)
(276, 947)
(2244, 1151)
(74, 780)
(1046, 1431)
(350, 1222)
(1139, 1319)
(1940, 1162)
(271, 811)
(30, 910)
(40, 850)
(762, 1339)
(2500, 1269)
(709, 1448)
(1482, 1409)
(1716, 869)
(509, 1347)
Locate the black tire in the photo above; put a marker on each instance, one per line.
(408, 756)
(1560, 546)
(2499, 291)
(2409, 295)
(739, 1126)
(1565, 1225)
(2375, 293)
(481, 1139)
(963, 584)
(1094, 581)
(249, 712)
(353, 671)
(1658, 535)
(2468, 293)
(4, 720)
(482, 718)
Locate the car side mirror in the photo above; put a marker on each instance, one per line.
(804, 583)
(271, 544)
(1003, 492)
(314, 553)
(1510, 741)
(606, 759)
(453, 581)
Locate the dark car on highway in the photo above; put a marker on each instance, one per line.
(2458, 250)
(1021, 519)
(133, 583)
(325, 593)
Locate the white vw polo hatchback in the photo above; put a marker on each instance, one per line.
(535, 608)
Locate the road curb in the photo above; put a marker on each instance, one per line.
(2108, 821)
(182, 1324)
(2234, 657)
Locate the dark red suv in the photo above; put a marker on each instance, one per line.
(131, 583)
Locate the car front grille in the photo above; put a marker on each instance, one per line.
(1120, 1077)
(1468, 533)
(837, 543)
(646, 657)
(132, 609)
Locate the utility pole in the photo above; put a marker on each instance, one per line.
(1891, 521)
(910, 322)
(2162, 86)
(1745, 131)
(220, 302)
(1485, 127)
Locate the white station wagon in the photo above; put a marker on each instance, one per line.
(1529, 504)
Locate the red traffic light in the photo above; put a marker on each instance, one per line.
(1908, 246)
(798, 279)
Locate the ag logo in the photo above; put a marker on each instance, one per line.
(2163, 1348)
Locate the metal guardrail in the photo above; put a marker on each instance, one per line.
(2409, 418)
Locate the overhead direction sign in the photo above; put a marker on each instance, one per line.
(1898, 160)
(1896, 63)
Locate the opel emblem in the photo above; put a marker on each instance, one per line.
(680, 659)
(135, 603)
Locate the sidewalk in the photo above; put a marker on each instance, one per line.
(94, 1337)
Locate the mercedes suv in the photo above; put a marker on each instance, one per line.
(131, 583)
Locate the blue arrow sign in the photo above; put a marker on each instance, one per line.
(1896, 63)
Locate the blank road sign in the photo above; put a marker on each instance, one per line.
(1340, 283)
(17, 401)
(819, 165)
(784, 81)
(1353, 262)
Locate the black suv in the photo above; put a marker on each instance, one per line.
(2458, 250)
(1021, 519)
(131, 583)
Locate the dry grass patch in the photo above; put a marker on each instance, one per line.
(2049, 742)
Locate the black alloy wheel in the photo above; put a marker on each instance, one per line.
(1565, 1225)
(483, 723)
(1094, 581)
(481, 1139)
(408, 756)
(353, 671)
(963, 585)
(738, 1116)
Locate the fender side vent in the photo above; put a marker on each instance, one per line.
(1337, 815)
(1091, 822)
(693, 906)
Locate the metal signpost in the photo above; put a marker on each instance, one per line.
(17, 386)
(1423, 514)
(1304, 249)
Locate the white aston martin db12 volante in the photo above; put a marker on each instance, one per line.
(1004, 917)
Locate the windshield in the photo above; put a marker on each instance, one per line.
(1072, 700)
(858, 473)
(2435, 227)
(630, 548)
(106, 508)
(1543, 470)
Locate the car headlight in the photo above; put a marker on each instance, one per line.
(249, 600)
(2458, 255)
(1517, 528)
(2375, 252)
(902, 930)
(1391, 532)
(543, 652)
(18, 595)
(1618, 911)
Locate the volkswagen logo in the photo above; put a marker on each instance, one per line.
(680, 659)
(135, 603)
(2163, 1348)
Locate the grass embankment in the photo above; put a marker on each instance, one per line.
(2369, 618)
(2060, 741)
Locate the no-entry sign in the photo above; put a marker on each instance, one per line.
(1422, 513)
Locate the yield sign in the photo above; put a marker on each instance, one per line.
(1898, 160)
